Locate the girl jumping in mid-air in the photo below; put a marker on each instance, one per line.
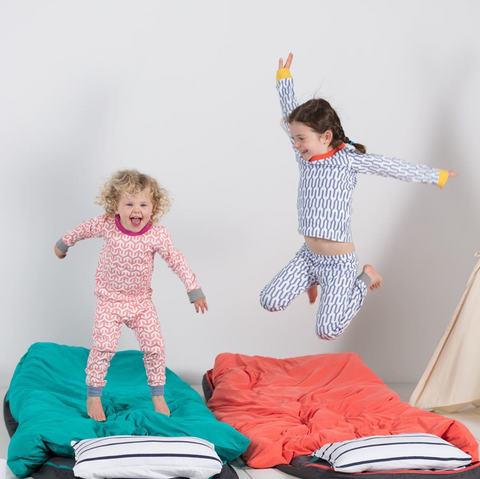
(133, 204)
(329, 163)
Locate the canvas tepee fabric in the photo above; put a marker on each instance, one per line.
(452, 378)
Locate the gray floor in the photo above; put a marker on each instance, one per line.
(470, 417)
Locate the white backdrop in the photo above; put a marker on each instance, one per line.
(185, 91)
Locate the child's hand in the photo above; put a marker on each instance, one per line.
(59, 253)
(452, 174)
(287, 63)
(201, 304)
(312, 294)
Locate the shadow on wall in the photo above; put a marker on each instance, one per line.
(62, 184)
(430, 259)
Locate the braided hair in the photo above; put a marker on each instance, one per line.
(319, 115)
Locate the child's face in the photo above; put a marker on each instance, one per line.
(135, 211)
(308, 142)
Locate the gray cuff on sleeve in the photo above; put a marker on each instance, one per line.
(195, 294)
(157, 390)
(61, 246)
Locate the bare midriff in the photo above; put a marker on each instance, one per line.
(328, 247)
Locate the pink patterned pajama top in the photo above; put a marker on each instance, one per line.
(125, 267)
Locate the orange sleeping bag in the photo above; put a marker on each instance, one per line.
(291, 407)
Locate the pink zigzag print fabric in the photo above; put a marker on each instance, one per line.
(123, 288)
(141, 317)
(125, 267)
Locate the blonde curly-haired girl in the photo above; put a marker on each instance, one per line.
(133, 202)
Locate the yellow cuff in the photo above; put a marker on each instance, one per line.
(283, 73)
(442, 178)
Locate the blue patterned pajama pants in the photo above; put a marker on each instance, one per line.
(342, 292)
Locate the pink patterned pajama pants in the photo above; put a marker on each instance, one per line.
(140, 316)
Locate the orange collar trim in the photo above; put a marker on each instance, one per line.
(327, 155)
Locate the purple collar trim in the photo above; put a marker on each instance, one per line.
(132, 233)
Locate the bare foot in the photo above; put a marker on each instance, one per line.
(95, 409)
(375, 278)
(312, 294)
(160, 405)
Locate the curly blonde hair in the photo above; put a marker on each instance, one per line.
(132, 182)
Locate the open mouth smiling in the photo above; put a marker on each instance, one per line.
(136, 220)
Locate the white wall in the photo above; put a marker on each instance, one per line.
(185, 92)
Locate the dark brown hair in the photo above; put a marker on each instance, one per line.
(319, 115)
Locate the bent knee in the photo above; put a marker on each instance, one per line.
(270, 303)
(152, 350)
(326, 336)
(329, 332)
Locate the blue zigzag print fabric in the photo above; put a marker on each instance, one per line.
(342, 293)
(325, 189)
(324, 204)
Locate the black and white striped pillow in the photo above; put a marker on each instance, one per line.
(393, 453)
(145, 457)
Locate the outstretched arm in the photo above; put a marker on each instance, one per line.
(402, 170)
(286, 93)
(177, 263)
(93, 228)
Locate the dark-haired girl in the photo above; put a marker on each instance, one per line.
(329, 162)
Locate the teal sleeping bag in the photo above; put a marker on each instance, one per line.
(47, 397)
